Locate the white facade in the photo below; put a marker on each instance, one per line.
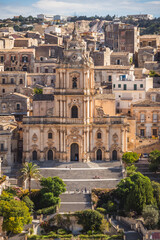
(128, 90)
(53, 29)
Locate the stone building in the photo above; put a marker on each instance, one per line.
(53, 39)
(15, 104)
(48, 52)
(150, 40)
(74, 123)
(146, 54)
(101, 57)
(44, 79)
(103, 75)
(121, 58)
(12, 82)
(18, 59)
(147, 115)
(8, 140)
(121, 37)
(25, 42)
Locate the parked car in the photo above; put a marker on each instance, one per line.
(145, 155)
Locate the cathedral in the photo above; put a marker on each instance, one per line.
(74, 121)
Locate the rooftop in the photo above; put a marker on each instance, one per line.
(43, 97)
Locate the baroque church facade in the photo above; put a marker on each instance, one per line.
(73, 121)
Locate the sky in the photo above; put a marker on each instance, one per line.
(10, 8)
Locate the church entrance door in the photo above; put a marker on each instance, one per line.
(74, 152)
(50, 155)
(114, 155)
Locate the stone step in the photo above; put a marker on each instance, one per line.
(73, 207)
(74, 185)
(85, 174)
(75, 197)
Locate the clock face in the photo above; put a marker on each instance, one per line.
(74, 57)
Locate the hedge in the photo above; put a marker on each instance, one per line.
(46, 211)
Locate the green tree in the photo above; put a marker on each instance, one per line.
(53, 184)
(131, 169)
(90, 220)
(137, 187)
(156, 192)
(130, 157)
(154, 156)
(154, 159)
(15, 214)
(30, 171)
(38, 91)
(51, 188)
(28, 203)
(151, 216)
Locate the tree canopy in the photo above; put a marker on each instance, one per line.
(130, 157)
(135, 192)
(15, 213)
(90, 220)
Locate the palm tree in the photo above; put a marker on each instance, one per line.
(30, 171)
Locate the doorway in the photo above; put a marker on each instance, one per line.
(114, 155)
(74, 152)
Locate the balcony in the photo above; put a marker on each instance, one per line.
(4, 150)
(52, 120)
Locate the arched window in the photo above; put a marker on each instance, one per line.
(99, 154)
(99, 136)
(50, 155)
(74, 82)
(74, 112)
(49, 135)
(34, 155)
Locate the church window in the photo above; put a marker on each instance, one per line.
(99, 136)
(155, 117)
(142, 116)
(21, 81)
(74, 82)
(3, 81)
(49, 135)
(74, 112)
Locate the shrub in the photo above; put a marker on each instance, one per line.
(46, 211)
(151, 216)
(101, 210)
(89, 219)
(29, 203)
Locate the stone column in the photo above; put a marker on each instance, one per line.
(88, 109)
(64, 137)
(64, 107)
(107, 131)
(122, 144)
(84, 111)
(61, 108)
(61, 141)
(88, 139)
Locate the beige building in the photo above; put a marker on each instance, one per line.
(147, 115)
(12, 82)
(8, 140)
(74, 123)
(18, 59)
(121, 58)
(150, 40)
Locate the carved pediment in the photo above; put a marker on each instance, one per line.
(115, 138)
